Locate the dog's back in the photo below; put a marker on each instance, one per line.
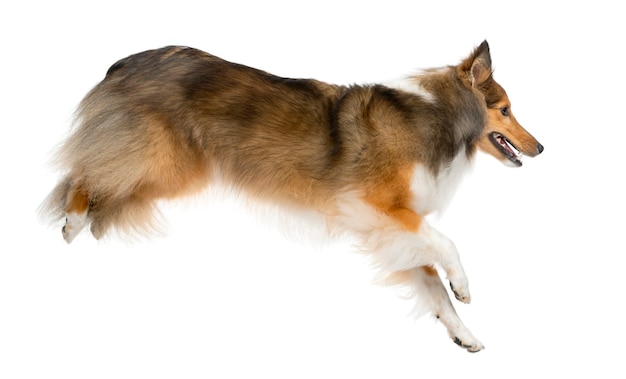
(162, 121)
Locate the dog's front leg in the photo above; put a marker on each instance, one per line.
(424, 245)
(413, 253)
(409, 257)
(448, 258)
(433, 297)
(406, 249)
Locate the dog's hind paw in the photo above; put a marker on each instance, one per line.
(74, 223)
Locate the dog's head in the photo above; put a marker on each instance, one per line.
(503, 137)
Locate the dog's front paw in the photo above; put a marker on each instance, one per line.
(468, 342)
(460, 288)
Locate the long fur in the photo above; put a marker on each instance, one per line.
(373, 160)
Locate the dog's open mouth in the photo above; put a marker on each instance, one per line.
(506, 147)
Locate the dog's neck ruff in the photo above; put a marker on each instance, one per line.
(433, 191)
(411, 84)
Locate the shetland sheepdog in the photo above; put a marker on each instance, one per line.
(372, 160)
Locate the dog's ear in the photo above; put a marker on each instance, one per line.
(477, 67)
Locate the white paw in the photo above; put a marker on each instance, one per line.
(466, 340)
(460, 287)
(74, 223)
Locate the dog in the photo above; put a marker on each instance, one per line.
(372, 160)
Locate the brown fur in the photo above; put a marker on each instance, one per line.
(162, 121)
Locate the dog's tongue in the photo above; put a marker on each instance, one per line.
(508, 147)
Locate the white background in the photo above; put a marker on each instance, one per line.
(223, 296)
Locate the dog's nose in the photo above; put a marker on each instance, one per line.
(539, 148)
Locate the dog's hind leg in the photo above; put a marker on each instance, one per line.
(76, 209)
(432, 295)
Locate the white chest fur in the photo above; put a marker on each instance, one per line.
(433, 193)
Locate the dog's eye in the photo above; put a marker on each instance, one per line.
(505, 111)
